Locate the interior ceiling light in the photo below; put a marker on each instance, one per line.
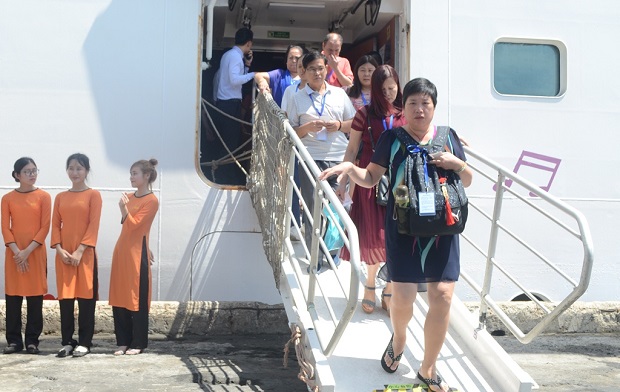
(297, 5)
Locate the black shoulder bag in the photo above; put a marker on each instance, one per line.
(383, 187)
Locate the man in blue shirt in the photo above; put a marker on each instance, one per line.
(278, 80)
(231, 76)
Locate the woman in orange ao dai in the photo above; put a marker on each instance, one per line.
(25, 224)
(130, 281)
(75, 226)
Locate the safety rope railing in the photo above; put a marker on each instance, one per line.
(231, 157)
(275, 147)
(499, 175)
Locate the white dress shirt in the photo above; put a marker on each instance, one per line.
(232, 75)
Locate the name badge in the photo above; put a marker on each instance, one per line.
(322, 134)
(426, 203)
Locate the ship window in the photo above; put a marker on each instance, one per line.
(529, 68)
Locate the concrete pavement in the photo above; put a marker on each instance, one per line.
(217, 347)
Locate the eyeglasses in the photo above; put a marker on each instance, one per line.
(32, 172)
(316, 70)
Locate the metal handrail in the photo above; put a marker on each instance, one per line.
(324, 195)
(583, 235)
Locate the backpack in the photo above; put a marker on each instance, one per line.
(430, 201)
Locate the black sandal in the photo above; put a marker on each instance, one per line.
(367, 302)
(390, 353)
(12, 348)
(431, 382)
(32, 349)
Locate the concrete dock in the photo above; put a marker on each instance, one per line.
(210, 346)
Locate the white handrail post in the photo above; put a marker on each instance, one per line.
(488, 273)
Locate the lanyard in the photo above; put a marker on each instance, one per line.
(322, 104)
(365, 102)
(385, 128)
(289, 80)
(329, 75)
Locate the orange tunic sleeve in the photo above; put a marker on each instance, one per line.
(56, 223)
(143, 216)
(46, 209)
(6, 221)
(90, 236)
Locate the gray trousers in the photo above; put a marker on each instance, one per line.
(307, 192)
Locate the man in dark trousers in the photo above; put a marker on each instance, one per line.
(230, 78)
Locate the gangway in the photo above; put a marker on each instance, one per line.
(343, 345)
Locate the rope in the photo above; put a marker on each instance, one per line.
(231, 157)
(306, 370)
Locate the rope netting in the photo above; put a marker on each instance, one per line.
(268, 179)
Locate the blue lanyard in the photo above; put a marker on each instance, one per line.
(424, 154)
(413, 149)
(385, 128)
(329, 75)
(322, 104)
(366, 102)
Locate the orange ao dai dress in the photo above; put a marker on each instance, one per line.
(26, 218)
(75, 221)
(130, 258)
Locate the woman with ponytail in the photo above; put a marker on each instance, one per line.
(130, 281)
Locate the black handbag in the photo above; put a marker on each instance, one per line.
(382, 189)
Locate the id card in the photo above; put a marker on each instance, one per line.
(322, 134)
(426, 202)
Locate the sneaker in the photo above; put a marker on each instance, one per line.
(80, 351)
(65, 351)
(294, 236)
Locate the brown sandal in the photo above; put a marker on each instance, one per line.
(384, 304)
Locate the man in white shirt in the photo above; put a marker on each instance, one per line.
(321, 115)
(231, 76)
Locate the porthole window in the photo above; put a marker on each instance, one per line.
(529, 68)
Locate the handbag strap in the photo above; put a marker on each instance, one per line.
(372, 139)
(439, 141)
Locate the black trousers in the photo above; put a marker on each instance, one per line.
(86, 321)
(230, 130)
(34, 320)
(132, 327)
